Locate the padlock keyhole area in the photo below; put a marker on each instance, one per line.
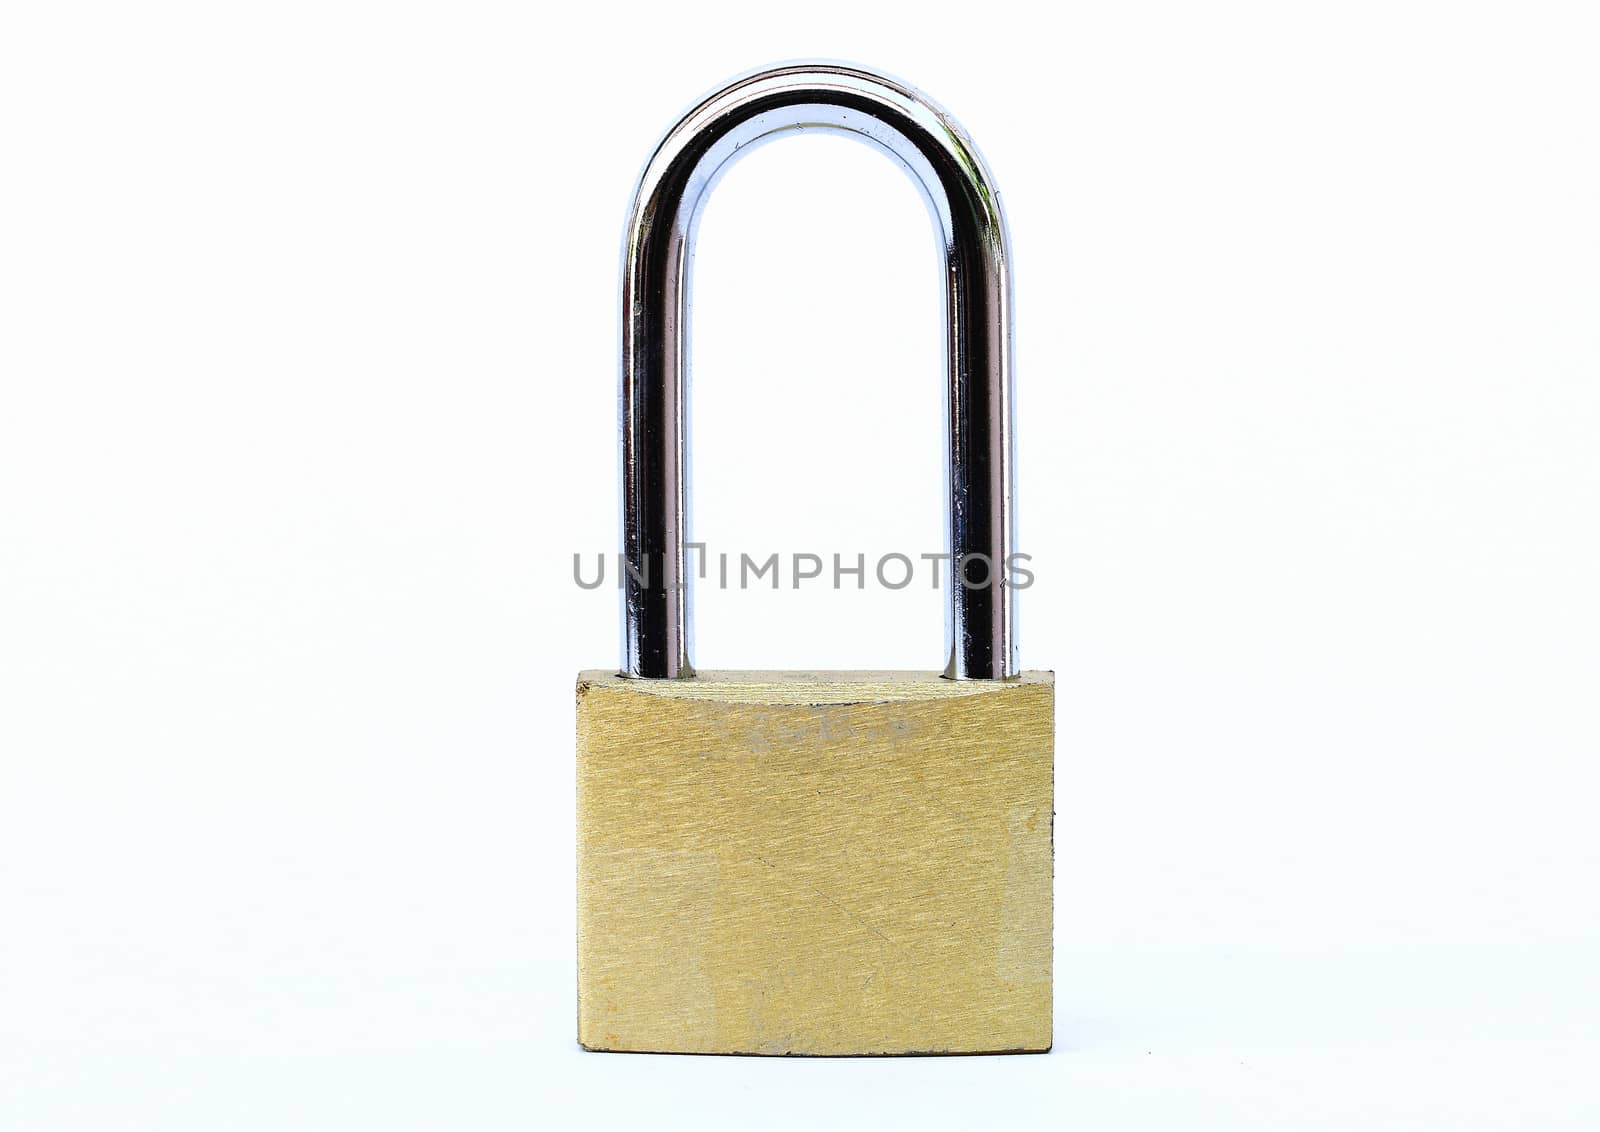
(817, 407)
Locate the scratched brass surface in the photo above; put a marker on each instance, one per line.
(815, 863)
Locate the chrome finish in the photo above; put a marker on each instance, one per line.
(655, 334)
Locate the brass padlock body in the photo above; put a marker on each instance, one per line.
(823, 863)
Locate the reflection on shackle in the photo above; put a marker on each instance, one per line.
(981, 631)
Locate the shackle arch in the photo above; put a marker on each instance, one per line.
(980, 620)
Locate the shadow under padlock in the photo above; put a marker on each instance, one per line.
(815, 863)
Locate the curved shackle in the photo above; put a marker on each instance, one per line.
(980, 628)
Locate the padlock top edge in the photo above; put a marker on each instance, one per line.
(780, 686)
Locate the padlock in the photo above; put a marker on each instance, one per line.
(815, 863)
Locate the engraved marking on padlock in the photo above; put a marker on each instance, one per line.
(960, 193)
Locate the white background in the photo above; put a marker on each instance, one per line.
(308, 342)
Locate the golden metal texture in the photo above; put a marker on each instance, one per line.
(823, 863)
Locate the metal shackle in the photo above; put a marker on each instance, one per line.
(981, 623)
